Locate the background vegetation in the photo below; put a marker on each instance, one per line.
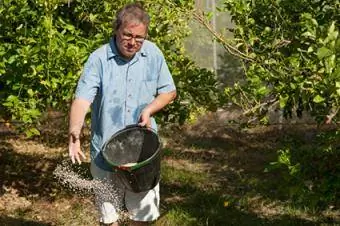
(290, 56)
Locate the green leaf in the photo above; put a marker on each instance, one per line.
(310, 49)
(209, 15)
(32, 132)
(308, 34)
(30, 92)
(332, 27)
(262, 91)
(323, 52)
(337, 84)
(283, 101)
(12, 59)
(318, 99)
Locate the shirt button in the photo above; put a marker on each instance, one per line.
(130, 80)
(130, 95)
(128, 110)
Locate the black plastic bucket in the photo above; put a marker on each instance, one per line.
(134, 154)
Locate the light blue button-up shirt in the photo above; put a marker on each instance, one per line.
(119, 90)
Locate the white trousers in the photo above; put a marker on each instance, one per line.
(112, 197)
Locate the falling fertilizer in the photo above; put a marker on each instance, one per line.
(73, 180)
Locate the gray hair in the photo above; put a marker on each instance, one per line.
(133, 12)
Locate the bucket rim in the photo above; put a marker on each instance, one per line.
(139, 164)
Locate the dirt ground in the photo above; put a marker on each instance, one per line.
(235, 159)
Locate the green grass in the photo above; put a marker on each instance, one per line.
(233, 188)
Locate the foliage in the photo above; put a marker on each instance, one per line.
(290, 52)
(290, 57)
(44, 44)
(311, 173)
(292, 64)
(41, 54)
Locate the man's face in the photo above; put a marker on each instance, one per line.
(130, 38)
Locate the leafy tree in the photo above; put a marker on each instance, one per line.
(290, 53)
(44, 44)
(290, 56)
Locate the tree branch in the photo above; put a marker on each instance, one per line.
(199, 16)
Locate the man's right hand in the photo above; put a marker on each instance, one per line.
(75, 152)
(78, 111)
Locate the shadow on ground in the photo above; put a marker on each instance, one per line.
(10, 221)
(237, 159)
(207, 208)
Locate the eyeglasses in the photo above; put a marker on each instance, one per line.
(128, 36)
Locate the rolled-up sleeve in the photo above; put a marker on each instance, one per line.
(89, 82)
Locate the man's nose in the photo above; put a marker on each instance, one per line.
(132, 41)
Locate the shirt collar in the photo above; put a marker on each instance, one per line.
(112, 51)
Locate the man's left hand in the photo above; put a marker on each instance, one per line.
(145, 118)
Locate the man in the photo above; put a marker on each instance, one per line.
(125, 82)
